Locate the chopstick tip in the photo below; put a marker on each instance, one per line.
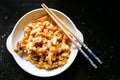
(42, 4)
(95, 66)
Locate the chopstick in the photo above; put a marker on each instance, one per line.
(72, 36)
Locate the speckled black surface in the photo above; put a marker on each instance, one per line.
(93, 19)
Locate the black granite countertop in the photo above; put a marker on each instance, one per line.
(93, 19)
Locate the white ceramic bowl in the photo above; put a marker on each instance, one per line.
(17, 34)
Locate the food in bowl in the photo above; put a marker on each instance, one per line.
(44, 44)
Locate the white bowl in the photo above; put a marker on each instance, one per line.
(17, 34)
